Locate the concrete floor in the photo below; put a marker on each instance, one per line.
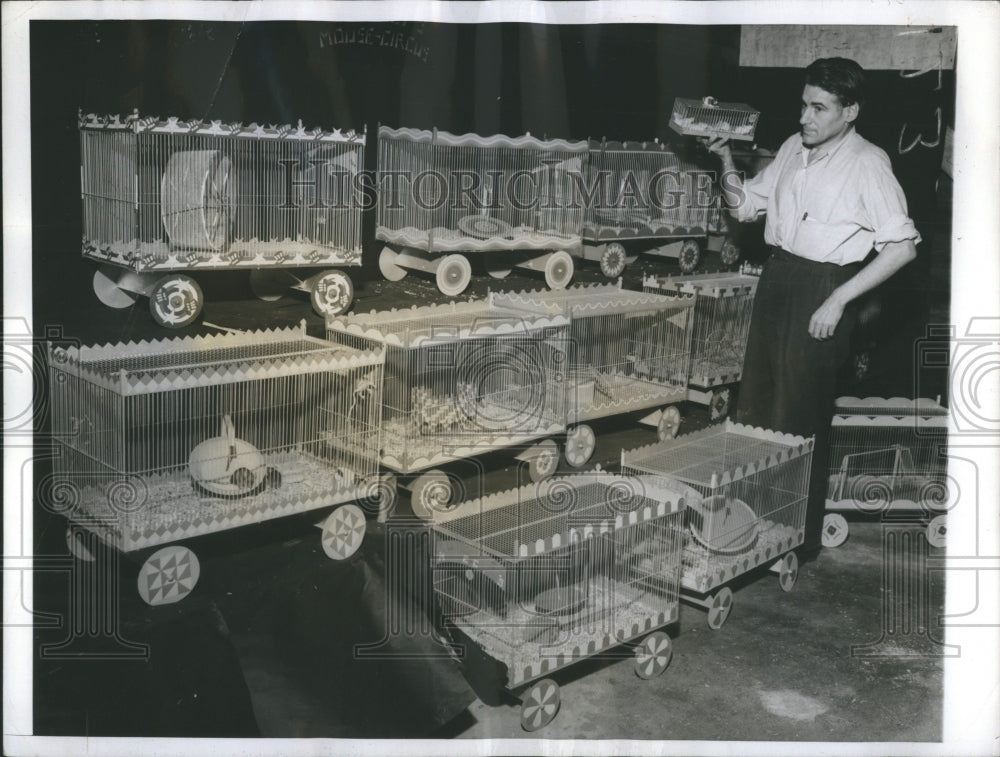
(263, 647)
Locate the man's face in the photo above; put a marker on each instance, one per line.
(823, 119)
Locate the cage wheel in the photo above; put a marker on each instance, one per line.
(613, 260)
(689, 256)
(540, 704)
(343, 532)
(652, 656)
(835, 530)
(168, 575)
(332, 293)
(176, 301)
(788, 571)
(580, 444)
(558, 270)
(453, 275)
(719, 404)
(431, 493)
(268, 284)
(730, 252)
(109, 293)
(937, 531)
(722, 605)
(669, 423)
(544, 461)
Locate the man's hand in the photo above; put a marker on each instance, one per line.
(824, 321)
(717, 144)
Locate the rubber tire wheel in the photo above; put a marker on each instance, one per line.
(176, 301)
(613, 260)
(332, 293)
(453, 275)
(690, 256)
(559, 270)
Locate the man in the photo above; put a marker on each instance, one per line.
(830, 198)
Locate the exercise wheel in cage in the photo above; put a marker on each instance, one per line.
(646, 199)
(164, 199)
(746, 505)
(888, 458)
(629, 352)
(516, 211)
(171, 440)
(463, 379)
(537, 578)
(723, 305)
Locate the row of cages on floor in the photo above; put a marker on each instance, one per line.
(162, 199)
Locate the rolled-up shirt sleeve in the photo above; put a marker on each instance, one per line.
(885, 204)
(755, 194)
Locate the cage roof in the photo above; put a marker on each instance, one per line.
(172, 363)
(448, 322)
(705, 284)
(717, 455)
(174, 125)
(593, 299)
(557, 512)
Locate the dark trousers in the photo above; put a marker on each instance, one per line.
(789, 378)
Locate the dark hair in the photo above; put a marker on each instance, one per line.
(838, 76)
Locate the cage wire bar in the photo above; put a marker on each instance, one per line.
(163, 440)
(479, 194)
(644, 190)
(708, 116)
(888, 454)
(746, 503)
(721, 322)
(628, 350)
(545, 575)
(463, 378)
(173, 195)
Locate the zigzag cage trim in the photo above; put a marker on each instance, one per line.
(579, 298)
(667, 500)
(795, 446)
(706, 285)
(918, 406)
(475, 140)
(174, 125)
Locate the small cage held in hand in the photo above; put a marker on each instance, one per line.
(709, 117)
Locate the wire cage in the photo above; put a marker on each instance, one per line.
(721, 322)
(543, 576)
(644, 190)
(888, 455)
(463, 378)
(173, 195)
(175, 438)
(476, 194)
(628, 350)
(709, 117)
(747, 496)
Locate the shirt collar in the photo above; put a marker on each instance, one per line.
(850, 137)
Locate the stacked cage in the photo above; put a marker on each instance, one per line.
(540, 577)
(887, 456)
(746, 505)
(709, 117)
(463, 378)
(447, 193)
(722, 310)
(629, 351)
(175, 438)
(169, 196)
